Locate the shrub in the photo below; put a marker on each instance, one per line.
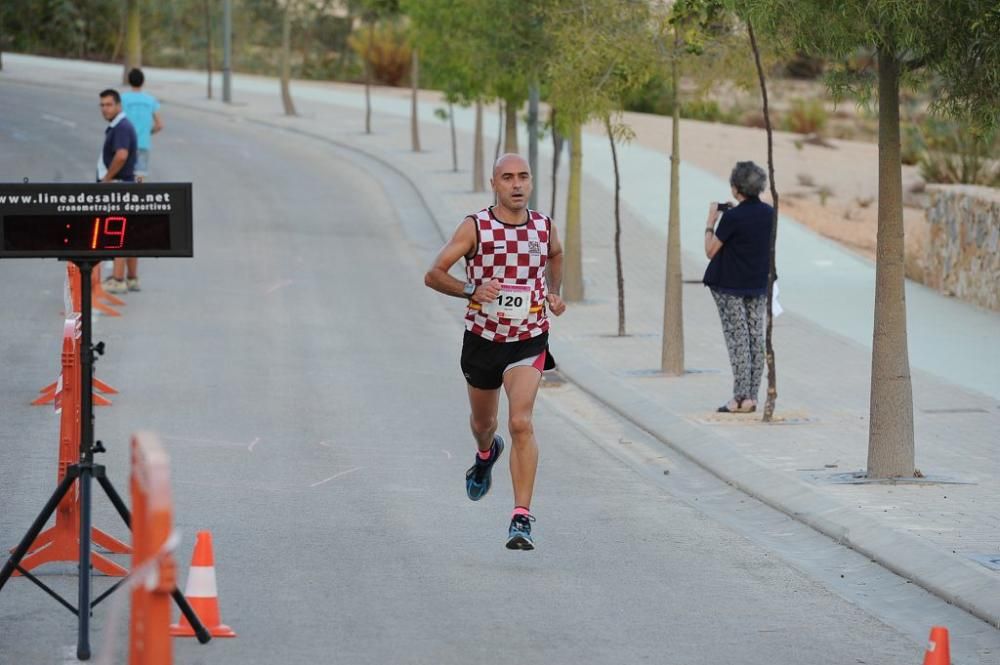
(955, 155)
(805, 116)
(390, 51)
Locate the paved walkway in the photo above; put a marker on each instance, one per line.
(942, 534)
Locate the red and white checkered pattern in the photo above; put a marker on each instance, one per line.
(513, 255)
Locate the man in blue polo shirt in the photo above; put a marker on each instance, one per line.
(117, 160)
(121, 145)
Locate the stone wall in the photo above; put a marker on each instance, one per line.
(963, 255)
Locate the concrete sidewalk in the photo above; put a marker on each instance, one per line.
(943, 534)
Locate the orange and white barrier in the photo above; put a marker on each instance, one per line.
(61, 542)
(202, 592)
(49, 393)
(152, 561)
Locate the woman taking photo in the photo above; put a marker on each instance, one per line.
(739, 249)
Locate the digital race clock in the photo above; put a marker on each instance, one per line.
(95, 220)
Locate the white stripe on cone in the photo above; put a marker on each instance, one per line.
(201, 582)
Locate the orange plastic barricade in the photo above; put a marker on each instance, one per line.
(61, 542)
(98, 296)
(152, 528)
(47, 395)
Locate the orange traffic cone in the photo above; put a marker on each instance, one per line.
(201, 592)
(938, 651)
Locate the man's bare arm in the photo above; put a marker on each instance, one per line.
(461, 244)
(117, 162)
(554, 273)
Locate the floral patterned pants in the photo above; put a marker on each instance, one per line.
(743, 327)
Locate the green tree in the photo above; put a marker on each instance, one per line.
(601, 50)
(953, 41)
(698, 40)
(454, 40)
(772, 378)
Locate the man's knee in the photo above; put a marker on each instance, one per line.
(483, 425)
(520, 426)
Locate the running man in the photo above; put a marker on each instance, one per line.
(513, 269)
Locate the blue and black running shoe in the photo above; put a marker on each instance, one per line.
(519, 535)
(479, 477)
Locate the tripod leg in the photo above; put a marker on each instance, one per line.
(83, 634)
(116, 499)
(199, 628)
(39, 523)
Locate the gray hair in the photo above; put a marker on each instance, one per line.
(748, 179)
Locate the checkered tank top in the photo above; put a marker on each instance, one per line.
(513, 255)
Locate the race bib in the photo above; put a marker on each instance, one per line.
(513, 303)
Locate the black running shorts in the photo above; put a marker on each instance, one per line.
(484, 362)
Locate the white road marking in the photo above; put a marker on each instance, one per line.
(213, 442)
(446, 453)
(325, 443)
(253, 443)
(59, 121)
(336, 475)
(280, 285)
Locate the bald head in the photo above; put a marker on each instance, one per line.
(512, 163)
(512, 183)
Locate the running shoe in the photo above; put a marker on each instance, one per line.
(133, 284)
(112, 285)
(479, 477)
(519, 534)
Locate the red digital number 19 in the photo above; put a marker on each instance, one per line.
(113, 226)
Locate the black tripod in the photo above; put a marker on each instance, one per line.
(83, 472)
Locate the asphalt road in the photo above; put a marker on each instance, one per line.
(306, 384)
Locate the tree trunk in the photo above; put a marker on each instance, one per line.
(478, 177)
(368, 75)
(454, 141)
(510, 132)
(772, 377)
(208, 49)
(573, 263)
(533, 95)
(133, 37)
(500, 116)
(557, 145)
(414, 85)
(618, 230)
(672, 349)
(890, 433)
(286, 56)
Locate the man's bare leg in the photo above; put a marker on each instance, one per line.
(483, 419)
(521, 384)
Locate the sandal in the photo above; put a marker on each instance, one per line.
(738, 406)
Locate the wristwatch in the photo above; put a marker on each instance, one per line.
(469, 289)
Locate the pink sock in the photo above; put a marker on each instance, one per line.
(484, 455)
(520, 510)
